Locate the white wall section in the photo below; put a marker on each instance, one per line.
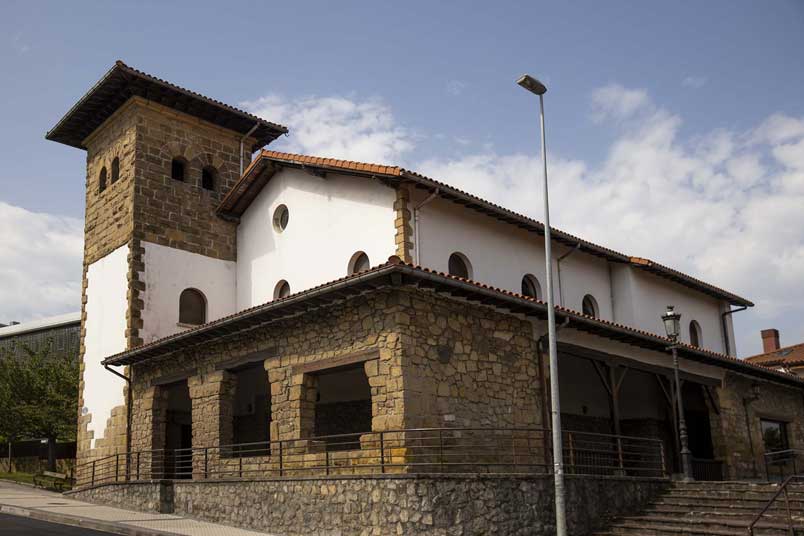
(168, 271)
(330, 218)
(106, 293)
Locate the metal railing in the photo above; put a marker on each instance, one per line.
(782, 463)
(707, 470)
(792, 529)
(424, 450)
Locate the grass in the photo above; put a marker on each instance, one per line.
(26, 478)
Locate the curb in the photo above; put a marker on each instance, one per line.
(77, 521)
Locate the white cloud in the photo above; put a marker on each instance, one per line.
(336, 127)
(694, 82)
(455, 87)
(618, 103)
(40, 265)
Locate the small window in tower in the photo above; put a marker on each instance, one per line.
(208, 178)
(531, 287)
(102, 180)
(459, 265)
(192, 307)
(281, 218)
(177, 169)
(282, 290)
(359, 263)
(115, 170)
(589, 306)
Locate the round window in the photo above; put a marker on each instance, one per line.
(281, 218)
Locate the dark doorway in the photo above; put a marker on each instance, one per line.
(251, 411)
(178, 432)
(343, 406)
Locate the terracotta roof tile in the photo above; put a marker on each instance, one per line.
(396, 262)
(783, 357)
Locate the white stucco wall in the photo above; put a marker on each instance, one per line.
(501, 254)
(646, 296)
(107, 286)
(168, 271)
(330, 219)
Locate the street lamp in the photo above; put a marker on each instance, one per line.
(537, 88)
(672, 325)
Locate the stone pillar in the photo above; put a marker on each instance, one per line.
(212, 397)
(148, 427)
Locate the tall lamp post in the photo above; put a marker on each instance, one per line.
(672, 325)
(537, 88)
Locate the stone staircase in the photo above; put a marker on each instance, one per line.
(714, 508)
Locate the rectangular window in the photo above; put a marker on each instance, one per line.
(774, 435)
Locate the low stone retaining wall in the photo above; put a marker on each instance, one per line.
(397, 504)
(150, 496)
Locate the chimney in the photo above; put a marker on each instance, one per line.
(770, 340)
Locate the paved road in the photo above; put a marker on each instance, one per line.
(23, 526)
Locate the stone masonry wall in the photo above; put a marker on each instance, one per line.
(742, 452)
(467, 366)
(359, 324)
(182, 214)
(434, 363)
(432, 506)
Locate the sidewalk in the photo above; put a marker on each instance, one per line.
(34, 503)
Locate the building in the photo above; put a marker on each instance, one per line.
(59, 334)
(786, 359)
(283, 300)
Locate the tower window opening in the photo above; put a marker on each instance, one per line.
(102, 180)
(177, 169)
(115, 170)
(208, 178)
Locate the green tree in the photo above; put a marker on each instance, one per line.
(38, 397)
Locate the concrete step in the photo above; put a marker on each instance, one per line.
(732, 495)
(697, 525)
(733, 510)
(715, 505)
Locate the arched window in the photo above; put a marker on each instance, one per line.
(589, 306)
(459, 266)
(178, 168)
(359, 263)
(695, 333)
(102, 180)
(281, 218)
(192, 307)
(115, 170)
(531, 287)
(282, 290)
(209, 176)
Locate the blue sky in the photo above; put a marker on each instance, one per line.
(634, 89)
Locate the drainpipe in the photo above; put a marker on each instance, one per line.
(558, 270)
(246, 135)
(129, 401)
(416, 242)
(725, 327)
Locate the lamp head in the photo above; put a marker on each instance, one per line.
(672, 323)
(531, 84)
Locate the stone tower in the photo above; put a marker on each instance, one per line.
(159, 161)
